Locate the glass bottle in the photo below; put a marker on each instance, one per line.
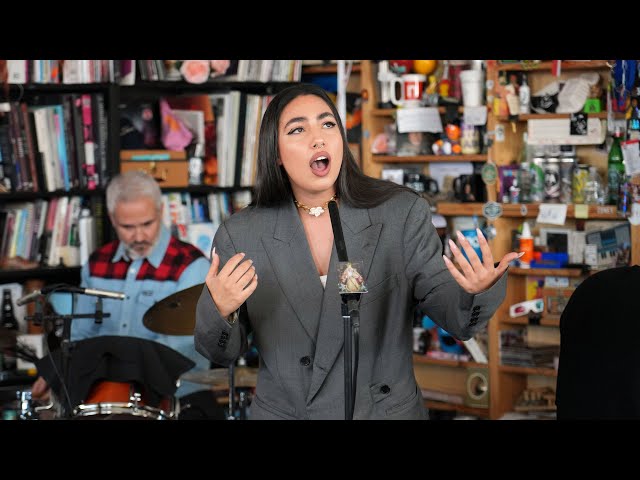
(615, 169)
(524, 94)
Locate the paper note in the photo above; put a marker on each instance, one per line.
(558, 132)
(581, 210)
(419, 120)
(631, 156)
(552, 213)
(475, 115)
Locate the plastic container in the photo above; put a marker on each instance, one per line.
(526, 246)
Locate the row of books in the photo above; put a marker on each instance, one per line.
(518, 347)
(67, 71)
(41, 230)
(58, 144)
(237, 118)
(194, 218)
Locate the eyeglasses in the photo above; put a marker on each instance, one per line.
(523, 308)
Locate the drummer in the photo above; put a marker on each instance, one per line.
(148, 264)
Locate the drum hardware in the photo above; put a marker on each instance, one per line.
(51, 320)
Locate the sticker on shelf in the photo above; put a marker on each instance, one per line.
(499, 133)
(492, 210)
(489, 173)
(634, 219)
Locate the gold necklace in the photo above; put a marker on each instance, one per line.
(316, 211)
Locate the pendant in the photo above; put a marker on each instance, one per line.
(317, 211)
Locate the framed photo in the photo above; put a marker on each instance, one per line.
(413, 143)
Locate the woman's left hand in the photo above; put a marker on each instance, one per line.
(476, 276)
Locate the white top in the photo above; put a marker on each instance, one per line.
(323, 279)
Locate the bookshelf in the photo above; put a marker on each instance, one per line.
(113, 95)
(506, 381)
(509, 381)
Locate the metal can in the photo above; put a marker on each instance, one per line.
(537, 186)
(552, 179)
(567, 165)
(580, 178)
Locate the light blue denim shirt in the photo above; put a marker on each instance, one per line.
(127, 315)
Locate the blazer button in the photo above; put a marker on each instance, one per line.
(385, 389)
(305, 361)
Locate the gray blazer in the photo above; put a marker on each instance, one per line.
(298, 327)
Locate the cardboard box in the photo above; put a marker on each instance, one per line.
(168, 173)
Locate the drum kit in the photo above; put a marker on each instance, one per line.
(117, 398)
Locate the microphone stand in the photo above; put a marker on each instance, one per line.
(351, 317)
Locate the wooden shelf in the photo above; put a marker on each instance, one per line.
(423, 359)
(204, 189)
(525, 210)
(478, 412)
(391, 112)
(547, 321)
(428, 158)
(552, 272)
(326, 69)
(566, 65)
(44, 88)
(146, 89)
(19, 196)
(545, 372)
(546, 116)
(57, 273)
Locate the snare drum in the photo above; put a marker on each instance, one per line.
(125, 401)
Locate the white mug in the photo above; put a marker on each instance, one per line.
(411, 88)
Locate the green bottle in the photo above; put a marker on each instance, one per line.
(615, 169)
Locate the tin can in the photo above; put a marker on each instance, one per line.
(537, 185)
(580, 178)
(624, 197)
(567, 165)
(552, 179)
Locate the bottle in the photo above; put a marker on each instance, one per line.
(526, 246)
(524, 94)
(87, 234)
(615, 169)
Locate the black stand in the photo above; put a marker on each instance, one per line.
(351, 317)
(66, 345)
(232, 390)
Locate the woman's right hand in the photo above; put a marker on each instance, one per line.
(40, 390)
(233, 284)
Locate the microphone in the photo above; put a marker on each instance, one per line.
(338, 236)
(30, 297)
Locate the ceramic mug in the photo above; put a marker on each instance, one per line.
(411, 89)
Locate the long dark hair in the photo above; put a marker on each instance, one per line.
(272, 184)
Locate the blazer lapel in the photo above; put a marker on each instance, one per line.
(361, 239)
(292, 263)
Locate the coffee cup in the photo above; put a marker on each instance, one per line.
(411, 89)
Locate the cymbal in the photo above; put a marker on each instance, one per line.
(243, 377)
(175, 314)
